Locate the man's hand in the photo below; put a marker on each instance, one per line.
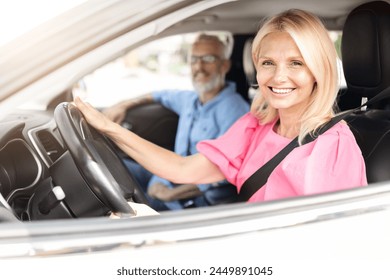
(116, 113)
(164, 193)
(160, 191)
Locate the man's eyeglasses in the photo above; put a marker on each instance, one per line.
(208, 58)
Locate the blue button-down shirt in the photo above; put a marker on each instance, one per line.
(199, 121)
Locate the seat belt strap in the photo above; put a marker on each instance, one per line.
(258, 179)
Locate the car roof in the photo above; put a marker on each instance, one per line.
(61, 40)
(244, 16)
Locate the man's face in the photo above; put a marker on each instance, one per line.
(208, 66)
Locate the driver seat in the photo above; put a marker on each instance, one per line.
(157, 124)
(366, 64)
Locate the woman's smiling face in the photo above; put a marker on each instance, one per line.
(283, 77)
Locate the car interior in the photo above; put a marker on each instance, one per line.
(366, 66)
(367, 72)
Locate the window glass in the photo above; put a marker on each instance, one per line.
(20, 16)
(161, 64)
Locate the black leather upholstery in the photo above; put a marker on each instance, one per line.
(366, 63)
(154, 123)
(238, 71)
(366, 53)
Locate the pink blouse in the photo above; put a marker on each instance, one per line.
(332, 162)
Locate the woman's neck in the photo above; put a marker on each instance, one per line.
(288, 125)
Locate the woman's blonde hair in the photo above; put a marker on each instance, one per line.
(320, 56)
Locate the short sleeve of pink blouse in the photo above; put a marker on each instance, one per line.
(331, 162)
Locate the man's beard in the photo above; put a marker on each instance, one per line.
(201, 87)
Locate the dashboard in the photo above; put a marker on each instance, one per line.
(33, 161)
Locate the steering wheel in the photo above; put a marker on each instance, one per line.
(97, 161)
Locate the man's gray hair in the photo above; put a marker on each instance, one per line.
(226, 44)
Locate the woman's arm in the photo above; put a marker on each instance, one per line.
(194, 169)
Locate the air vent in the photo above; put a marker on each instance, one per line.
(51, 146)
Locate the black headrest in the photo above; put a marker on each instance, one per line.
(366, 49)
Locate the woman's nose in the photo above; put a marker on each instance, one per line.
(281, 74)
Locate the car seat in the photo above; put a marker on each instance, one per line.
(242, 69)
(153, 122)
(366, 62)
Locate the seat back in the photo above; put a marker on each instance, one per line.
(238, 72)
(365, 53)
(154, 123)
(366, 63)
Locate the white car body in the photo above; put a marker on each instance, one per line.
(342, 235)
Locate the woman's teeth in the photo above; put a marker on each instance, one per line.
(282, 90)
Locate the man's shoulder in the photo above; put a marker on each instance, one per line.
(235, 99)
(231, 92)
(175, 95)
(174, 91)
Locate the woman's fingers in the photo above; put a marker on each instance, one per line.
(93, 116)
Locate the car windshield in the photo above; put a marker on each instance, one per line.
(60, 32)
(15, 21)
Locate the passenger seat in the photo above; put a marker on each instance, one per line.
(366, 64)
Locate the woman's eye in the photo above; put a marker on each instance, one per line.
(267, 63)
(296, 63)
